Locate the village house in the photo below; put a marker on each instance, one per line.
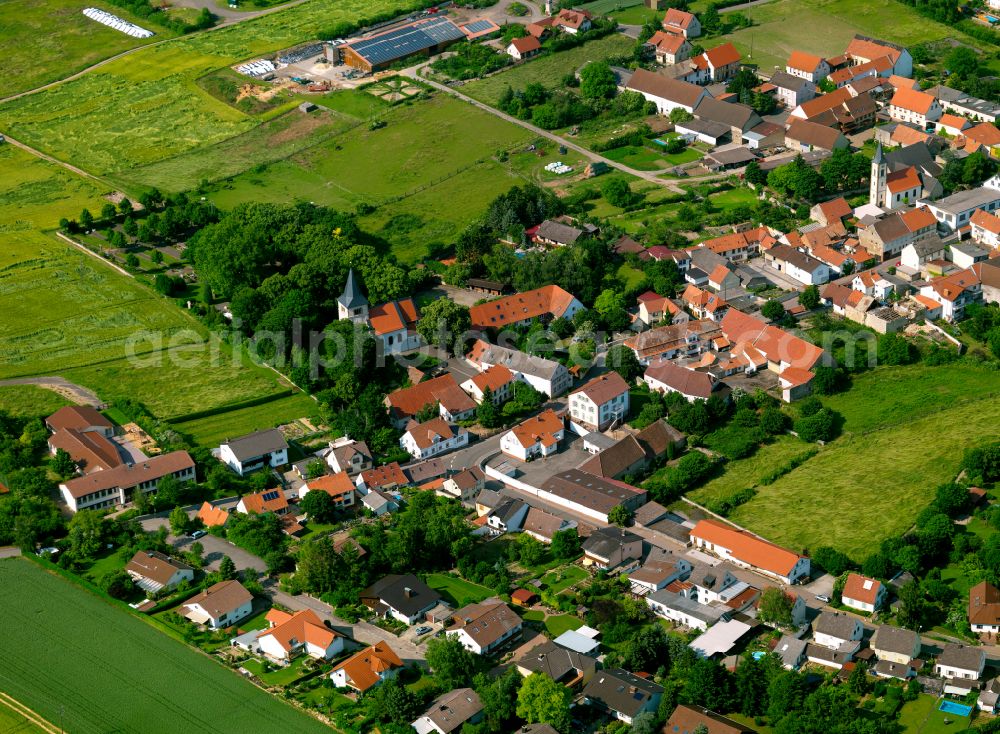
(797, 265)
(599, 403)
(449, 712)
(863, 49)
(952, 124)
(984, 137)
(153, 571)
(989, 697)
(681, 23)
(749, 551)
(703, 304)
(791, 90)
(985, 228)
(966, 254)
(119, 485)
(960, 661)
(569, 667)
(896, 644)
(622, 458)
(954, 292)
(804, 136)
(212, 516)
(871, 283)
(404, 598)
(590, 495)
(497, 379)
(508, 516)
(432, 438)
(807, 66)
(220, 605)
(658, 572)
(887, 237)
(340, 487)
(791, 651)
(863, 593)
(622, 694)
(668, 48)
(988, 273)
(349, 457)
(573, 21)
(261, 503)
(81, 418)
(558, 234)
(984, 608)
(542, 525)
(464, 486)
(524, 48)
(914, 106)
(717, 64)
(665, 376)
(366, 668)
(549, 377)
(255, 451)
(290, 635)
(453, 404)
(387, 477)
(654, 309)
(538, 436)
(739, 118)
(666, 93)
(485, 627)
(547, 302)
(738, 246)
(609, 548)
(394, 323)
(667, 342)
(835, 630)
(955, 212)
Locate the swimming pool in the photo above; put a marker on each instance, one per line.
(758, 655)
(659, 142)
(950, 707)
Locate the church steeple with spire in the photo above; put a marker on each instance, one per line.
(880, 169)
(352, 303)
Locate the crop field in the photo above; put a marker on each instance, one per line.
(212, 430)
(61, 635)
(905, 431)
(12, 721)
(148, 107)
(44, 41)
(430, 151)
(773, 37)
(548, 70)
(29, 400)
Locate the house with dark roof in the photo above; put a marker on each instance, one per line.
(590, 495)
(804, 135)
(699, 720)
(796, 264)
(666, 93)
(792, 652)
(611, 547)
(402, 597)
(664, 376)
(255, 451)
(658, 572)
(465, 485)
(153, 571)
(960, 661)
(508, 516)
(485, 627)
(896, 644)
(835, 630)
(740, 118)
(542, 525)
(622, 694)
(450, 711)
(791, 90)
(625, 456)
(220, 605)
(350, 457)
(568, 667)
(432, 438)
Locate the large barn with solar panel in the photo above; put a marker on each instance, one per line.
(428, 36)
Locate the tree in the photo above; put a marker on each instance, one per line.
(318, 505)
(617, 192)
(622, 360)
(529, 550)
(894, 350)
(392, 702)
(679, 114)
(809, 297)
(912, 606)
(820, 426)
(129, 227)
(775, 607)
(85, 533)
(566, 544)
(132, 260)
(773, 310)
(620, 515)
(156, 257)
(86, 219)
(542, 700)
(610, 305)
(831, 560)
(117, 584)
(452, 664)
(711, 21)
(180, 523)
(644, 723)
(597, 81)
(62, 464)
(773, 421)
(487, 413)
(754, 174)
(962, 61)
(858, 681)
(108, 213)
(445, 323)
(499, 698)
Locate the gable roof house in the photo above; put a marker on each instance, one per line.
(117, 486)
(558, 234)
(658, 573)
(403, 597)
(302, 632)
(82, 418)
(153, 571)
(657, 309)
(91, 451)
(450, 711)
(590, 495)
(740, 118)
(666, 93)
(665, 376)
(803, 135)
(255, 451)
(914, 106)
(549, 377)
(212, 516)
(704, 304)
(622, 694)
(367, 668)
(682, 23)
(386, 477)
(985, 228)
(536, 436)
(896, 644)
(792, 652)
(668, 48)
(717, 64)
(623, 457)
(350, 457)
(523, 48)
(984, 608)
(687, 719)
(796, 264)
(830, 212)
(887, 237)
(454, 404)
(608, 548)
(790, 89)
(807, 66)
(547, 302)
(960, 661)
(432, 438)
(954, 292)
(465, 485)
(220, 605)
(982, 137)
(599, 403)
(542, 526)
(261, 503)
(682, 339)
(863, 593)
(497, 379)
(837, 631)
(507, 516)
(340, 487)
(863, 49)
(562, 665)
(485, 627)
(573, 21)
(749, 551)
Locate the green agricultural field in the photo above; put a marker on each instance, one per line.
(147, 107)
(11, 721)
(783, 26)
(457, 592)
(214, 429)
(905, 431)
(430, 151)
(59, 635)
(548, 70)
(748, 472)
(30, 401)
(354, 102)
(41, 42)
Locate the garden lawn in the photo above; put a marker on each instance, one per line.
(548, 70)
(279, 676)
(570, 575)
(60, 634)
(773, 37)
(923, 717)
(559, 623)
(889, 469)
(30, 401)
(212, 430)
(457, 592)
(629, 277)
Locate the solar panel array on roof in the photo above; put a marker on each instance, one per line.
(268, 496)
(407, 40)
(478, 26)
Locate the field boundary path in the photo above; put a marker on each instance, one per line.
(69, 390)
(88, 251)
(19, 708)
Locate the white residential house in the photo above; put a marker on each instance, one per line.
(863, 593)
(538, 436)
(549, 377)
(798, 265)
(915, 254)
(464, 486)
(872, 284)
(255, 451)
(432, 438)
(153, 571)
(508, 516)
(497, 379)
(485, 626)
(367, 668)
(985, 228)
(895, 644)
(599, 404)
(954, 292)
(292, 634)
(523, 48)
(832, 630)
(807, 66)
(960, 661)
(914, 106)
(220, 605)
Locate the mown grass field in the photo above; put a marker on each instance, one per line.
(214, 429)
(430, 151)
(457, 592)
(13, 722)
(548, 70)
(904, 434)
(75, 658)
(44, 41)
(147, 107)
(29, 400)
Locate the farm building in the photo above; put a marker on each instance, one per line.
(428, 36)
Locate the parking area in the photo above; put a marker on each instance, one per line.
(535, 472)
(419, 634)
(778, 278)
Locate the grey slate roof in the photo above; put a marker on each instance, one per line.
(392, 590)
(556, 661)
(558, 232)
(836, 625)
(257, 444)
(790, 650)
(518, 361)
(603, 542)
(788, 81)
(961, 656)
(672, 600)
(508, 509)
(965, 200)
(451, 710)
(352, 297)
(621, 691)
(894, 639)
(728, 113)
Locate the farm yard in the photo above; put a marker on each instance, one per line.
(61, 634)
(889, 461)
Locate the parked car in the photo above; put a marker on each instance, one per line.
(422, 630)
(823, 598)
(197, 534)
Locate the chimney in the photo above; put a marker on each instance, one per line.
(408, 592)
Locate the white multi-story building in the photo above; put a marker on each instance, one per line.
(599, 403)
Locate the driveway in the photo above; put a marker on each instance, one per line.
(215, 548)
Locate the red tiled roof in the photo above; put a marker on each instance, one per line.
(364, 668)
(211, 515)
(747, 548)
(77, 416)
(384, 476)
(493, 378)
(723, 55)
(424, 434)
(804, 62)
(603, 388)
(549, 300)
(863, 48)
(334, 485)
(903, 180)
(861, 588)
(986, 220)
(919, 218)
(773, 343)
(393, 316)
(256, 503)
(526, 44)
(538, 429)
(912, 100)
(444, 390)
(985, 134)
(677, 18)
(290, 630)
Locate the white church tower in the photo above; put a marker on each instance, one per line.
(352, 303)
(880, 169)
